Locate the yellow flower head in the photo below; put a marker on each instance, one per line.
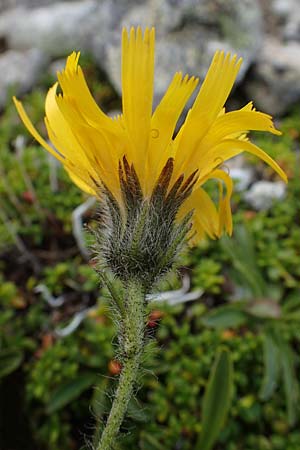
(91, 145)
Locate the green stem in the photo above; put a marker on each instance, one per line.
(132, 329)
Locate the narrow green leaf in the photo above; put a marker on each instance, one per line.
(136, 411)
(10, 360)
(100, 402)
(217, 400)
(69, 391)
(225, 317)
(271, 367)
(241, 250)
(292, 316)
(150, 439)
(291, 387)
(291, 302)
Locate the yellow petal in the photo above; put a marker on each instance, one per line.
(208, 105)
(33, 131)
(237, 122)
(225, 216)
(80, 183)
(232, 147)
(163, 124)
(73, 84)
(137, 95)
(232, 125)
(82, 179)
(215, 89)
(61, 135)
(95, 142)
(205, 218)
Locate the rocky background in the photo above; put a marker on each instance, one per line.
(37, 33)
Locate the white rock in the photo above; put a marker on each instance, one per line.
(262, 194)
(243, 176)
(56, 66)
(284, 8)
(9, 4)
(288, 13)
(56, 29)
(19, 71)
(276, 83)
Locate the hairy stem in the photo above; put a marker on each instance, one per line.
(132, 332)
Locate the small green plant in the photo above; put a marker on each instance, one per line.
(265, 308)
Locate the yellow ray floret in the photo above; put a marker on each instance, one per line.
(91, 144)
(137, 92)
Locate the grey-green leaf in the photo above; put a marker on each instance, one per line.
(217, 400)
(264, 308)
(70, 390)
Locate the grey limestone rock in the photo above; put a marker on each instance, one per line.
(262, 194)
(276, 82)
(19, 71)
(9, 4)
(55, 29)
(287, 13)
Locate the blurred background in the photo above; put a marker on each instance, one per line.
(56, 335)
